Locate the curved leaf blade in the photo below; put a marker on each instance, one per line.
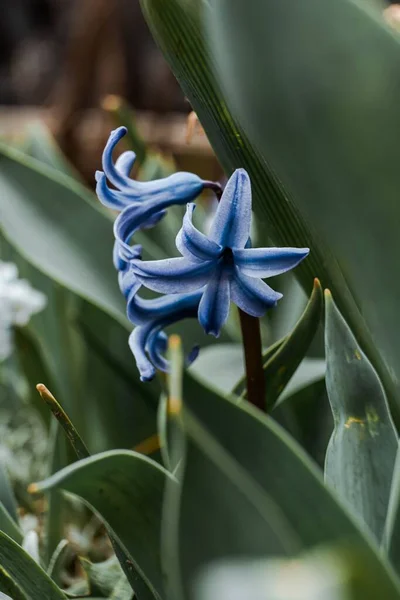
(362, 450)
(28, 575)
(126, 489)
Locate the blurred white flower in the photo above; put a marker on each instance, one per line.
(18, 302)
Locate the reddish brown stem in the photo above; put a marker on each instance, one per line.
(251, 335)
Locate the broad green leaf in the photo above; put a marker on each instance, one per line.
(315, 85)
(27, 574)
(8, 525)
(362, 450)
(47, 217)
(178, 26)
(126, 489)
(278, 468)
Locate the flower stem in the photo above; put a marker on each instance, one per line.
(251, 335)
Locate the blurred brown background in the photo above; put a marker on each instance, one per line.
(60, 58)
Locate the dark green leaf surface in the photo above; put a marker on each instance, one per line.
(126, 489)
(316, 86)
(277, 467)
(27, 574)
(362, 450)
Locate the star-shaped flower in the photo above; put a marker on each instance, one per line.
(222, 264)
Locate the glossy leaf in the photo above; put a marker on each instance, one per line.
(27, 574)
(362, 450)
(276, 467)
(126, 489)
(179, 27)
(326, 120)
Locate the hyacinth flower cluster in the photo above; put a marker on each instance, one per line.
(212, 271)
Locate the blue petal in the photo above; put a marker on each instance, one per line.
(268, 262)
(214, 304)
(142, 338)
(137, 344)
(193, 244)
(252, 295)
(125, 162)
(231, 225)
(128, 282)
(156, 346)
(141, 310)
(173, 275)
(117, 200)
(182, 187)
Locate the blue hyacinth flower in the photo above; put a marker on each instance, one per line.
(221, 265)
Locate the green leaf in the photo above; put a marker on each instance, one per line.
(278, 469)
(326, 122)
(47, 217)
(362, 450)
(27, 574)
(126, 489)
